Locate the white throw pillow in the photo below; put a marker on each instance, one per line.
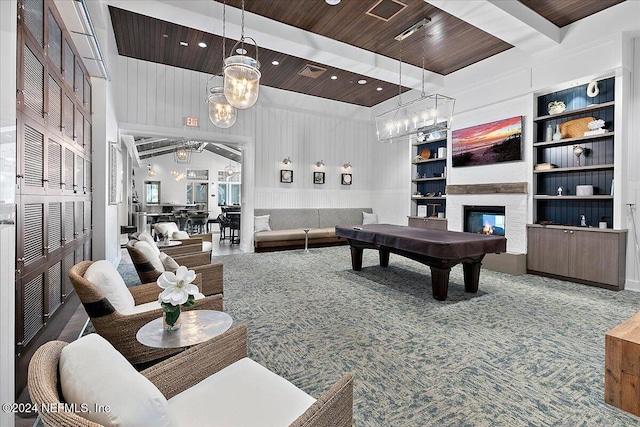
(150, 254)
(261, 223)
(106, 278)
(369, 218)
(169, 263)
(93, 374)
(180, 235)
(146, 237)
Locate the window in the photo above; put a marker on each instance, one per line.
(229, 187)
(152, 192)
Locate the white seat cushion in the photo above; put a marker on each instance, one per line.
(106, 278)
(93, 373)
(244, 394)
(180, 235)
(150, 255)
(146, 237)
(207, 246)
(154, 305)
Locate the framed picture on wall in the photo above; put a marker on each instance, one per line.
(488, 143)
(346, 179)
(318, 177)
(286, 176)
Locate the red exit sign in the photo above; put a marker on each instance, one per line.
(191, 121)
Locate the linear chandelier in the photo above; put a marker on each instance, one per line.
(427, 114)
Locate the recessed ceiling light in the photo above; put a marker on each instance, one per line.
(184, 44)
(275, 63)
(165, 35)
(362, 81)
(202, 44)
(241, 51)
(334, 77)
(378, 89)
(332, 2)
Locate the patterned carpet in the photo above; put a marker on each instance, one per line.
(523, 351)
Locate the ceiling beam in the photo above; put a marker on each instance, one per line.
(508, 20)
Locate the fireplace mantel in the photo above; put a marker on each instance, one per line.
(497, 188)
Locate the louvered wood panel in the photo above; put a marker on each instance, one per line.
(33, 157)
(54, 285)
(69, 261)
(67, 117)
(78, 87)
(87, 136)
(55, 42)
(68, 169)
(54, 114)
(68, 222)
(54, 224)
(55, 165)
(79, 181)
(79, 218)
(34, 19)
(79, 128)
(33, 232)
(33, 82)
(69, 62)
(33, 307)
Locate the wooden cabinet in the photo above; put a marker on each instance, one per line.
(429, 174)
(585, 255)
(429, 223)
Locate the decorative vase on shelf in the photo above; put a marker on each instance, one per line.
(557, 136)
(171, 321)
(549, 135)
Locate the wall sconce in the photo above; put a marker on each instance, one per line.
(347, 165)
(150, 171)
(320, 163)
(287, 160)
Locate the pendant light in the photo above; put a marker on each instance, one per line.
(242, 75)
(221, 113)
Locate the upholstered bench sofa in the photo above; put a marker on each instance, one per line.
(277, 229)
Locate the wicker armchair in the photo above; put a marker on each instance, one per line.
(174, 379)
(200, 262)
(120, 329)
(171, 228)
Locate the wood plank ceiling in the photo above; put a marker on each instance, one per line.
(451, 43)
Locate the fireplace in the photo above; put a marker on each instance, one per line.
(484, 219)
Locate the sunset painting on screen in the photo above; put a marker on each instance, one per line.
(488, 143)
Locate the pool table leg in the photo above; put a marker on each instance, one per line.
(440, 282)
(384, 257)
(471, 275)
(356, 258)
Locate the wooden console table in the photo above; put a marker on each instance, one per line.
(622, 365)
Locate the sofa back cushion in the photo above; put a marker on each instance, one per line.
(149, 255)
(341, 216)
(146, 237)
(104, 276)
(93, 374)
(286, 219)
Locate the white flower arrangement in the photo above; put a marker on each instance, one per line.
(178, 292)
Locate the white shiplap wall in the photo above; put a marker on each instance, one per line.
(282, 124)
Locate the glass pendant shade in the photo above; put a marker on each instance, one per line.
(241, 81)
(221, 113)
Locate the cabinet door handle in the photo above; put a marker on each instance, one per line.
(571, 232)
(566, 231)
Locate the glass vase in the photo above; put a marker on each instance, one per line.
(169, 320)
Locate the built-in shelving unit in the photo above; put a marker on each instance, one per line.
(429, 175)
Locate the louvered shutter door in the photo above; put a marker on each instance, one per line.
(68, 222)
(33, 232)
(87, 94)
(33, 307)
(79, 218)
(79, 254)
(79, 125)
(54, 223)
(54, 117)
(87, 136)
(55, 287)
(34, 19)
(33, 82)
(78, 88)
(79, 182)
(33, 157)
(69, 62)
(69, 261)
(68, 169)
(87, 216)
(55, 42)
(87, 250)
(87, 176)
(55, 165)
(68, 117)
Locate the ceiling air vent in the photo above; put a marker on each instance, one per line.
(386, 9)
(312, 71)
